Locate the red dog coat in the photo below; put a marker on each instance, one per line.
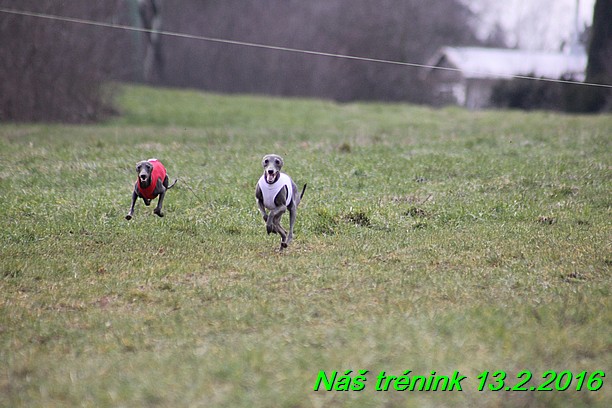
(159, 172)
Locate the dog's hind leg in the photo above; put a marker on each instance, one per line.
(283, 234)
(275, 226)
(158, 208)
(160, 190)
(292, 214)
(166, 181)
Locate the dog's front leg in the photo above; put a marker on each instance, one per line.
(130, 213)
(262, 210)
(158, 208)
(260, 203)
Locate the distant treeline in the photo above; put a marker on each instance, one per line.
(398, 30)
(58, 71)
(51, 70)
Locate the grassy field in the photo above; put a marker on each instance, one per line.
(428, 240)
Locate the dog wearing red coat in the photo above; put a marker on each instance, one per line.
(152, 182)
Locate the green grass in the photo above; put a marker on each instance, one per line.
(428, 240)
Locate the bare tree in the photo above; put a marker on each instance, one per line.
(52, 70)
(599, 68)
(151, 19)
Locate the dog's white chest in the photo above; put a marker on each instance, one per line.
(270, 191)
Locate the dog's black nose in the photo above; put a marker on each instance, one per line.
(270, 171)
(143, 177)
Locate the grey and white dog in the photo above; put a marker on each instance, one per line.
(277, 193)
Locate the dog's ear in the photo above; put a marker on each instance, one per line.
(278, 161)
(265, 161)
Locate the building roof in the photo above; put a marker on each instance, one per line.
(483, 63)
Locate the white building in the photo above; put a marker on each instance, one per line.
(471, 72)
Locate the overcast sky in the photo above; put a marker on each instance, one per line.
(532, 24)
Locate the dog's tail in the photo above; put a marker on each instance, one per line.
(303, 191)
(172, 185)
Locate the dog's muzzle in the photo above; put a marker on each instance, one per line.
(270, 176)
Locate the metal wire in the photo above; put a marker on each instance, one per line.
(278, 48)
